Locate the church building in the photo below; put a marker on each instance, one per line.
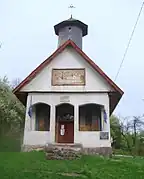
(68, 98)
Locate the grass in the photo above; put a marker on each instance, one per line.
(33, 165)
(8, 144)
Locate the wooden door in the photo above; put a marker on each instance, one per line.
(66, 135)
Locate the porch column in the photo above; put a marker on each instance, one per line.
(33, 118)
(105, 126)
(52, 124)
(28, 120)
(76, 122)
(102, 119)
(27, 126)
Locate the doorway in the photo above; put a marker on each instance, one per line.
(64, 132)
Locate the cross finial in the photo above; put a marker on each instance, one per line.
(71, 8)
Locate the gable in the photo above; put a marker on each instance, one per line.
(39, 79)
(69, 58)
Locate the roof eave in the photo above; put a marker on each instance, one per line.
(77, 23)
(118, 91)
(114, 98)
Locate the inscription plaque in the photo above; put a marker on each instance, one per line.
(71, 77)
(104, 135)
(64, 99)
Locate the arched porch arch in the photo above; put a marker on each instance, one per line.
(42, 116)
(90, 117)
(84, 104)
(64, 123)
(63, 109)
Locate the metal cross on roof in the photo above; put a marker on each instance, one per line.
(71, 7)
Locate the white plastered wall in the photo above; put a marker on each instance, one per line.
(88, 139)
(69, 58)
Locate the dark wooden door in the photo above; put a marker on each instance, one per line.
(68, 135)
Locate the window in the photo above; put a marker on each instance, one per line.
(90, 117)
(65, 112)
(69, 29)
(42, 117)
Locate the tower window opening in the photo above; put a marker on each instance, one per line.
(70, 29)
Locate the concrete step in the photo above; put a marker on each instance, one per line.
(74, 146)
(63, 151)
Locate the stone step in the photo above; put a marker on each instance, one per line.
(75, 146)
(63, 151)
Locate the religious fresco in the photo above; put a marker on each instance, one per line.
(62, 77)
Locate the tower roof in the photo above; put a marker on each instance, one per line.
(71, 22)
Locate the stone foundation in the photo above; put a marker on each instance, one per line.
(105, 151)
(67, 151)
(29, 148)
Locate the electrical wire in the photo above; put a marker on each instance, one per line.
(125, 53)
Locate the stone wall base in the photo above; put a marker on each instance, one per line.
(29, 148)
(105, 151)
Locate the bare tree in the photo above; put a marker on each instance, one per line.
(15, 82)
(125, 128)
(131, 128)
(137, 125)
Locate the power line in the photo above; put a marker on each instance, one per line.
(125, 53)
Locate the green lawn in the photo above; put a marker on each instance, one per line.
(8, 144)
(33, 165)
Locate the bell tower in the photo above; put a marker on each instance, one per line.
(72, 29)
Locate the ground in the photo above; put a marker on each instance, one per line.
(33, 165)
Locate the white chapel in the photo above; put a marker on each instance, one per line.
(68, 98)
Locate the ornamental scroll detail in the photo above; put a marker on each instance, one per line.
(71, 77)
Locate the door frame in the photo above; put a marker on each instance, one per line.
(57, 122)
(69, 126)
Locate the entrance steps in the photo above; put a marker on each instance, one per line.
(59, 151)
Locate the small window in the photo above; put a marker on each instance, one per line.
(42, 117)
(90, 117)
(70, 29)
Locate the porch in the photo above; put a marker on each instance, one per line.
(66, 123)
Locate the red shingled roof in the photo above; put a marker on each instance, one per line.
(116, 94)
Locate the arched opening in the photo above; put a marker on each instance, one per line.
(42, 115)
(90, 117)
(64, 123)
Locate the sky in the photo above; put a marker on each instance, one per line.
(28, 38)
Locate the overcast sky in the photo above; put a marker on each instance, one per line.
(27, 36)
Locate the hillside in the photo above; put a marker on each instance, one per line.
(34, 166)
